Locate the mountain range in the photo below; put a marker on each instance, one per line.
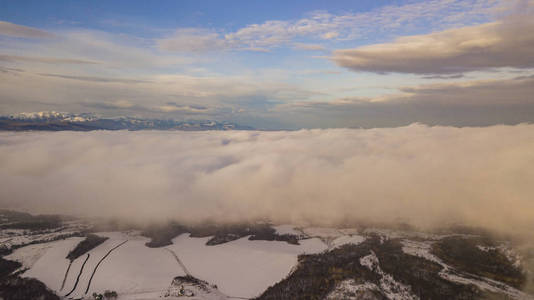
(57, 121)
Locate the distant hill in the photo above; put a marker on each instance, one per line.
(57, 121)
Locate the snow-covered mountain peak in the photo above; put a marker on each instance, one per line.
(53, 116)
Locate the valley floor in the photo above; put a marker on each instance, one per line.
(332, 263)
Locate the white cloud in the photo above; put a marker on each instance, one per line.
(101, 52)
(426, 176)
(192, 40)
(173, 107)
(387, 20)
(330, 35)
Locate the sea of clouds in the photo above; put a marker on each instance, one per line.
(424, 176)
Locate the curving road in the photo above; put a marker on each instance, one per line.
(79, 274)
(186, 271)
(98, 264)
(65, 277)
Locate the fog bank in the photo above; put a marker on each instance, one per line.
(425, 176)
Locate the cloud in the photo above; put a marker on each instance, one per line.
(172, 107)
(10, 70)
(122, 104)
(45, 60)
(269, 103)
(517, 91)
(330, 35)
(150, 96)
(320, 25)
(192, 40)
(14, 30)
(471, 103)
(425, 176)
(499, 44)
(93, 79)
(452, 76)
(112, 51)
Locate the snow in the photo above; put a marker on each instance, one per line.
(387, 234)
(46, 261)
(131, 268)
(325, 234)
(30, 254)
(507, 251)
(349, 231)
(334, 237)
(422, 249)
(349, 289)
(287, 229)
(53, 115)
(322, 232)
(391, 288)
(242, 268)
(10, 238)
(347, 239)
(203, 291)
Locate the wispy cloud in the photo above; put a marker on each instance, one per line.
(309, 47)
(173, 107)
(14, 30)
(193, 40)
(151, 95)
(45, 60)
(94, 79)
(390, 20)
(451, 76)
(471, 103)
(506, 43)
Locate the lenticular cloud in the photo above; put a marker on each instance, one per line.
(425, 176)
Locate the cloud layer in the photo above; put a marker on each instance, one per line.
(505, 43)
(425, 176)
(470, 103)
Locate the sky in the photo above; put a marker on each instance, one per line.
(273, 64)
(417, 111)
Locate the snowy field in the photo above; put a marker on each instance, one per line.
(241, 268)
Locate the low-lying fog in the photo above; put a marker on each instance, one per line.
(424, 176)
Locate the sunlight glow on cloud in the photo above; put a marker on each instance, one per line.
(507, 43)
(421, 175)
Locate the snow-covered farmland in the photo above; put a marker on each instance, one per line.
(334, 237)
(347, 239)
(131, 268)
(241, 268)
(287, 229)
